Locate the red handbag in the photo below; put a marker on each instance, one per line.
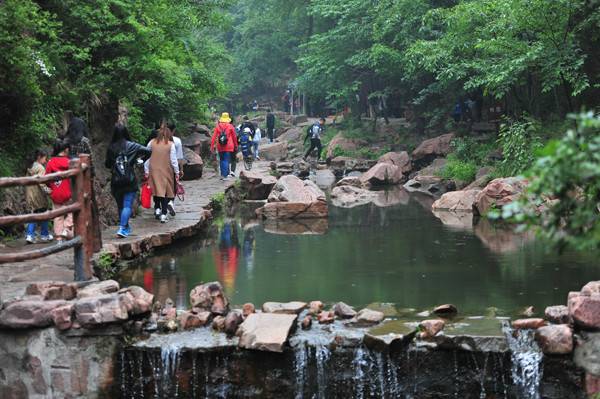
(146, 196)
(180, 192)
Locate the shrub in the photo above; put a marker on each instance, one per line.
(457, 169)
(519, 141)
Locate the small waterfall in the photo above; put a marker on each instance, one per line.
(526, 362)
(169, 356)
(359, 364)
(300, 365)
(322, 354)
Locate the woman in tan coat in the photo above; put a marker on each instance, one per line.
(161, 170)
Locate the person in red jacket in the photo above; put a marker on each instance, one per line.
(60, 190)
(224, 140)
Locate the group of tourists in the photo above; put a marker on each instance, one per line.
(228, 139)
(162, 157)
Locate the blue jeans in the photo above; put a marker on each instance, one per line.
(125, 204)
(224, 163)
(31, 227)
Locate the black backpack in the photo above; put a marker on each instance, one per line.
(223, 137)
(122, 173)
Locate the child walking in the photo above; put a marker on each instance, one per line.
(61, 190)
(36, 199)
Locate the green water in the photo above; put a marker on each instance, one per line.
(401, 255)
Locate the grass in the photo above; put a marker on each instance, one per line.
(457, 169)
(217, 202)
(107, 265)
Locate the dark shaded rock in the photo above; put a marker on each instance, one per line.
(62, 316)
(558, 314)
(193, 166)
(189, 320)
(256, 186)
(587, 353)
(445, 310)
(232, 322)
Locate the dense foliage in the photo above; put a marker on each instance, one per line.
(155, 56)
(563, 197)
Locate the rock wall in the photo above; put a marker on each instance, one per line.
(47, 363)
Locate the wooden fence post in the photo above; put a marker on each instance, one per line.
(82, 188)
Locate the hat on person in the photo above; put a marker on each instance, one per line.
(225, 118)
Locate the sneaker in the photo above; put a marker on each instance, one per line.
(47, 238)
(170, 208)
(128, 230)
(157, 213)
(163, 218)
(122, 232)
(258, 158)
(30, 239)
(232, 174)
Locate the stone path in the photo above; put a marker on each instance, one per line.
(147, 233)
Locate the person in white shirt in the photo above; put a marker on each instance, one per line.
(180, 161)
(256, 142)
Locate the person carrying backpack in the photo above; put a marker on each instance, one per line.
(314, 133)
(224, 140)
(121, 156)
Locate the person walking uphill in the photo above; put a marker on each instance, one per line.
(121, 157)
(224, 140)
(60, 190)
(36, 199)
(314, 132)
(162, 171)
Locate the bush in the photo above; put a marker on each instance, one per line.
(457, 169)
(519, 141)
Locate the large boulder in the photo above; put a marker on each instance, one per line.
(555, 339)
(96, 310)
(340, 142)
(558, 314)
(348, 196)
(341, 166)
(499, 192)
(456, 201)
(382, 174)
(256, 186)
(198, 143)
(428, 181)
(277, 151)
(367, 317)
(266, 331)
(193, 166)
(291, 135)
(210, 297)
(344, 311)
(29, 313)
(400, 159)
(292, 198)
(437, 146)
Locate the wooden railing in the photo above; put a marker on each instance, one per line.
(81, 207)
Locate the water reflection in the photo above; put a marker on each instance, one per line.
(400, 254)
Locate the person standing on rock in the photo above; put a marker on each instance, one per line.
(162, 171)
(36, 199)
(246, 124)
(270, 126)
(224, 140)
(121, 157)
(314, 132)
